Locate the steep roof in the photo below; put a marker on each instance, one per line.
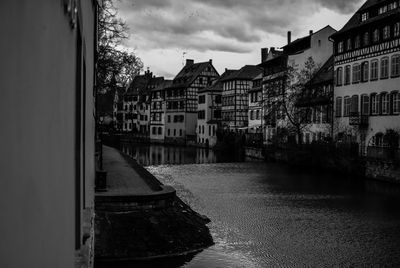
(355, 20)
(141, 84)
(247, 72)
(217, 84)
(163, 85)
(325, 73)
(189, 73)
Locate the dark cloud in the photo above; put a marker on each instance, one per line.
(220, 25)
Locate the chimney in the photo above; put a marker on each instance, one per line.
(210, 61)
(189, 62)
(289, 37)
(272, 49)
(264, 54)
(311, 32)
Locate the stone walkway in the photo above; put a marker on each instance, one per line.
(122, 179)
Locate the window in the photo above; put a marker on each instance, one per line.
(340, 47)
(385, 100)
(159, 131)
(169, 132)
(374, 104)
(376, 36)
(251, 115)
(169, 119)
(347, 106)
(218, 99)
(348, 45)
(202, 99)
(201, 114)
(364, 16)
(365, 105)
(339, 74)
(374, 69)
(396, 30)
(395, 65)
(396, 103)
(357, 42)
(383, 9)
(356, 73)
(354, 105)
(347, 74)
(258, 115)
(209, 130)
(153, 130)
(364, 71)
(174, 132)
(366, 39)
(338, 107)
(180, 133)
(384, 67)
(386, 32)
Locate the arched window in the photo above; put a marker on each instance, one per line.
(154, 131)
(339, 76)
(364, 71)
(356, 73)
(385, 101)
(347, 106)
(395, 65)
(338, 109)
(159, 131)
(395, 102)
(354, 105)
(374, 69)
(385, 67)
(374, 104)
(347, 74)
(365, 104)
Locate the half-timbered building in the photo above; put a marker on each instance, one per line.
(367, 69)
(182, 100)
(157, 112)
(235, 102)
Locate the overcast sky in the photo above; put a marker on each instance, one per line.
(230, 32)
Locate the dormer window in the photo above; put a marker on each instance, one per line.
(386, 32)
(382, 9)
(357, 42)
(396, 29)
(340, 47)
(376, 36)
(366, 39)
(364, 16)
(348, 45)
(392, 6)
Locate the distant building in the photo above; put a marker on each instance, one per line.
(295, 54)
(210, 112)
(182, 100)
(318, 98)
(47, 170)
(157, 112)
(235, 103)
(136, 103)
(118, 109)
(367, 68)
(256, 106)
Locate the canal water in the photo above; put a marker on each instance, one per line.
(267, 215)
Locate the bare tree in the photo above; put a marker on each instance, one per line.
(296, 86)
(115, 66)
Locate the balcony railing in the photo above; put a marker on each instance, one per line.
(356, 119)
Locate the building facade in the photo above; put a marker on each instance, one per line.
(235, 102)
(367, 69)
(255, 106)
(210, 112)
(157, 112)
(318, 100)
(47, 157)
(182, 100)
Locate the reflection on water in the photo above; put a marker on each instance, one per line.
(266, 215)
(149, 155)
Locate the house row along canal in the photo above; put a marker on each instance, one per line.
(267, 215)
